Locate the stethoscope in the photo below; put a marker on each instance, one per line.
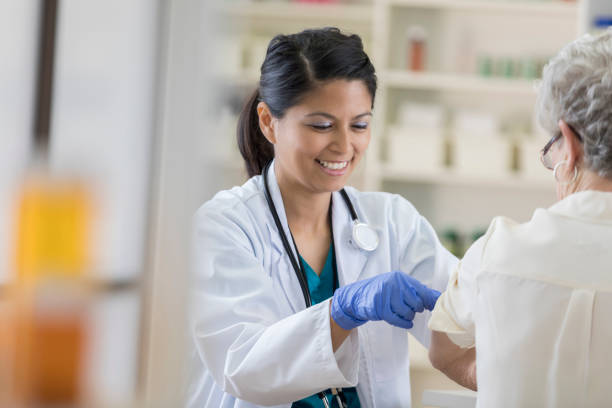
(363, 237)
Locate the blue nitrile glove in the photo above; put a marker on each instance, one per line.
(393, 297)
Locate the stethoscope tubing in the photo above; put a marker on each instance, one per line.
(297, 265)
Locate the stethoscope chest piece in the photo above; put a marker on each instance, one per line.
(364, 237)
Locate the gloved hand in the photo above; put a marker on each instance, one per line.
(393, 297)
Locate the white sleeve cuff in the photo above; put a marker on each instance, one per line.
(442, 321)
(347, 357)
(342, 367)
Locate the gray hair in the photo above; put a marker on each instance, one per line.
(576, 86)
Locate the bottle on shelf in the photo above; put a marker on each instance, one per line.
(417, 47)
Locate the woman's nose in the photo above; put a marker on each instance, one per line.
(342, 140)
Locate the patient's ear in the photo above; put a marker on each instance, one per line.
(571, 146)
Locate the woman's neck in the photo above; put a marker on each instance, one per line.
(589, 180)
(307, 212)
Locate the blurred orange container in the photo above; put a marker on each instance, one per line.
(48, 320)
(53, 235)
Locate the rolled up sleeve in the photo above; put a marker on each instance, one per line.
(423, 257)
(454, 311)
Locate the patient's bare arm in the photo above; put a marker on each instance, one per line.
(457, 363)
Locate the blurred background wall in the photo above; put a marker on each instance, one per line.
(136, 103)
(98, 95)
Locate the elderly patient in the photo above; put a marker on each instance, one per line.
(534, 301)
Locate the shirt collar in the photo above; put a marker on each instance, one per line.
(589, 205)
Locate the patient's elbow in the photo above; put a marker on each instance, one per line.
(438, 361)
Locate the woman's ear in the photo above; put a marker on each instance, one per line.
(572, 148)
(266, 122)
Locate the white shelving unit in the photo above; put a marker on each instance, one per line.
(544, 7)
(274, 10)
(498, 27)
(445, 82)
(381, 23)
(447, 177)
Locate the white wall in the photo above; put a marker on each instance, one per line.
(102, 130)
(178, 184)
(102, 124)
(18, 53)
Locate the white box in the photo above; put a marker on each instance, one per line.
(482, 155)
(416, 149)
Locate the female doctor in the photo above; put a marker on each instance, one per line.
(295, 304)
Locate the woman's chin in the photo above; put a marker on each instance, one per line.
(335, 185)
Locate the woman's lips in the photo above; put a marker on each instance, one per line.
(334, 168)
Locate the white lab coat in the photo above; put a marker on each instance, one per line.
(535, 299)
(254, 339)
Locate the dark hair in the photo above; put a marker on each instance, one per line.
(294, 65)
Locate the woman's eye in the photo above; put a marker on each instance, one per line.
(360, 125)
(321, 126)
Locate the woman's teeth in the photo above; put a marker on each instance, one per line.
(333, 165)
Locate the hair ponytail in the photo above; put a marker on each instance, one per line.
(254, 147)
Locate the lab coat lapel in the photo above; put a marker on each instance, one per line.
(350, 260)
(280, 260)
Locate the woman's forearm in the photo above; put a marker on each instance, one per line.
(457, 363)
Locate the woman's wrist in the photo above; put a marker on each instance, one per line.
(338, 334)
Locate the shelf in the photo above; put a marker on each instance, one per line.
(544, 8)
(266, 10)
(458, 83)
(452, 178)
(93, 286)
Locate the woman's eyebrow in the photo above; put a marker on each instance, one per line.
(327, 115)
(363, 114)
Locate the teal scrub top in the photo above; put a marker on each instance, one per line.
(322, 288)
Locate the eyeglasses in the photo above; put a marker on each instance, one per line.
(544, 158)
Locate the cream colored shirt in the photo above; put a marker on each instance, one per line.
(536, 301)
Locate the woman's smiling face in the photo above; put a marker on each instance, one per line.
(319, 142)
